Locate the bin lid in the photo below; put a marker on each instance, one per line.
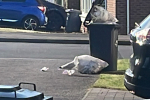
(22, 94)
(14, 91)
(88, 17)
(9, 88)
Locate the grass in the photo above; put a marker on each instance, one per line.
(122, 64)
(113, 80)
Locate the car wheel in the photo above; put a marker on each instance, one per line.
(55, 21)
(30, 23)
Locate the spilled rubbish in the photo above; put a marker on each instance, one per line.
(84, 64)
(44, 69)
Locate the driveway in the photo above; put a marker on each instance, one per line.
(52, 82)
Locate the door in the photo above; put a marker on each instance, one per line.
(11, 10)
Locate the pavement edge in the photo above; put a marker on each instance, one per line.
(87, 93)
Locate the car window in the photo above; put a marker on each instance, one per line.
(145, 23)
(13, 0)
(58, 2)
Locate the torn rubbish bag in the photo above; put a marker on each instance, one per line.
(86, 64)
(101, 15)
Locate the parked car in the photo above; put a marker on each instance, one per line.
(26, 13)
(30, 14)
(138, 27)
(56, 15)
(137, 77)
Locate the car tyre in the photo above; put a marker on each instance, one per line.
(55, 21)
(30, 23)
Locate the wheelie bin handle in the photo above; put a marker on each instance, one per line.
(29, 84)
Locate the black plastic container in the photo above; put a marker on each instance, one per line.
(104, 43)
(73, 22)
(15, 92)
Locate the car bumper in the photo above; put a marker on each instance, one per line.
(138, 90)
(42, 19)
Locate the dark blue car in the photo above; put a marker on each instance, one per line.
(30, 14)
(27, 13)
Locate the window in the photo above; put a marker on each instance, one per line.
(104, 4)
(86, 5)
(59, 2)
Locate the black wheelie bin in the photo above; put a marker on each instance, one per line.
(73, 22)
(15, 92)
(103, 38)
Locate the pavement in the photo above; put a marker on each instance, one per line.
(63, 38)
(72, 38)
(109, 94)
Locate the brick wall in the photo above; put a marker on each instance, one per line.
(139, 9)
(74, 4)
(111, 7)
(121, 14)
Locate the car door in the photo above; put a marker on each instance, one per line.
(11, 10)
(1, 10)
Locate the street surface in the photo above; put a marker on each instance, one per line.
(21, 62)
(51, 51)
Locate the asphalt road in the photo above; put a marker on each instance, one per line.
(51, 51)
(124, 52)
(52, 82)
(23, 61)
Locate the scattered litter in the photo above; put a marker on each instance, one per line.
(69, 72)
(85, 64)
(132, 92)
(44, 69)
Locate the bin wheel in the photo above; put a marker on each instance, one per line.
(30, 23)
(55, 21)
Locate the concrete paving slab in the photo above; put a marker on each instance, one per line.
(109, 94)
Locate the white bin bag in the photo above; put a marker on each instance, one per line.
(85, 64)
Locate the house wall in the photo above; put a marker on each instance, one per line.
(139, 9)
(111, 7)
(121, 14)
(74, 4)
